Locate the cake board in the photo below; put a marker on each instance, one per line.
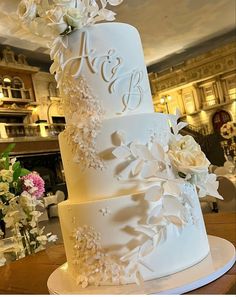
(220, 259)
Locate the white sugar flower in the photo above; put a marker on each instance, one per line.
(208, 185)
(105, 14)
(186, 156)
(154, 193)
(185, 143)
(146, 160)
(71, 3)
(114, 2)
(63, 15)
(56, 18)
(27, 10)
(74, 17)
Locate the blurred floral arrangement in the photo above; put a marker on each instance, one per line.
(20, 193)
(50, 18)
(228, 130)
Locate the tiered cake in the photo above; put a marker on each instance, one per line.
(133, 211)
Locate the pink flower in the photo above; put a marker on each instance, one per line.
(33, 184)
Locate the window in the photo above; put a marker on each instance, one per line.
(209, 95)
(231, 83)
(189, 102)
(17, 85)
(219, 118)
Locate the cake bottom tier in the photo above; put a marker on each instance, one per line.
(129, 239)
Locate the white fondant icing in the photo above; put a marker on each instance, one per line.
(121, 236)
(103, 55)
(91, 184)
(142, 203)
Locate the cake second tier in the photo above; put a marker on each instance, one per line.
(114, 179)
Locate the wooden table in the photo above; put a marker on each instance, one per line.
(29, 275)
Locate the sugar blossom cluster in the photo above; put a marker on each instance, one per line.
(60, 17)
(93, 266)
(83, 123)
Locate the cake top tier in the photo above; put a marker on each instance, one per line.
(105, 63)
(102, 63)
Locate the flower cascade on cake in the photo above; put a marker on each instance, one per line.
(172, 166)
(175, 158)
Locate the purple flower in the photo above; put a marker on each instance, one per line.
(33, 184)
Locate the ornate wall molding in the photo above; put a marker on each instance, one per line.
(199, 87)
(204, 66)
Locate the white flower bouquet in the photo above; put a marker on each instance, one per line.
(20, 193)
(50, 18)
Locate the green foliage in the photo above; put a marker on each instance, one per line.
(24, 172)
(18, 171)
(7, 151)
(5, 163)
(4, 159)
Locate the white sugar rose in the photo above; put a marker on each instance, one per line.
(56, 18)
(74, 18)
(186, 157)
(6, 175)
(27, 10)
(71, 3)
(186, 143)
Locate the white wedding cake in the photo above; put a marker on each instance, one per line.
(134, 182)
(133, 211)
